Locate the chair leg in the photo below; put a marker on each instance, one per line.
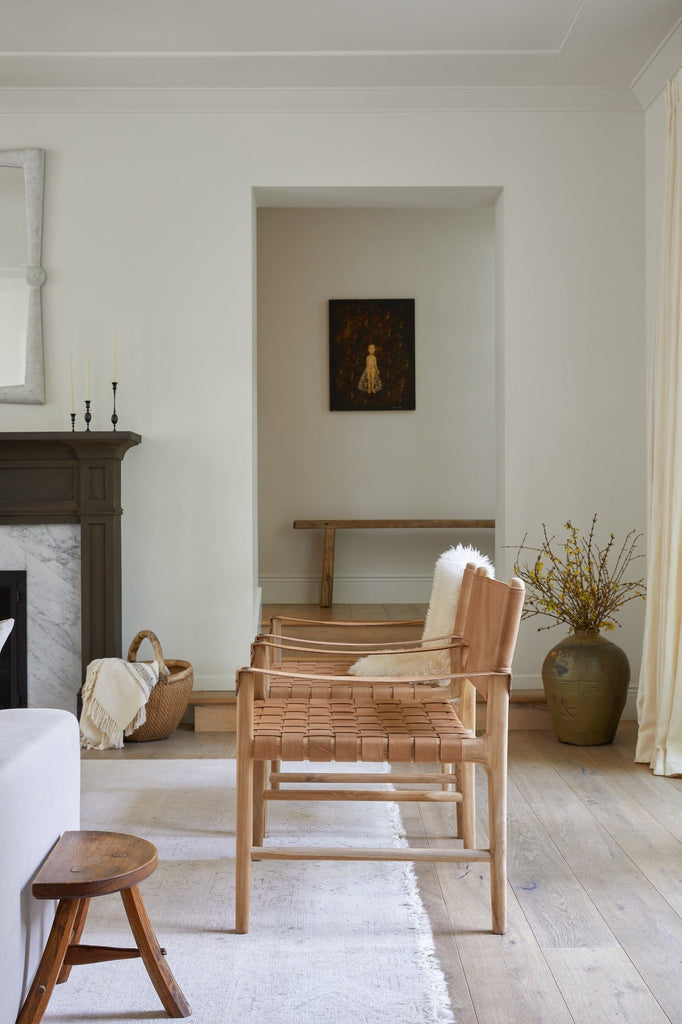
(50, 964)
(466, 820)
(497, 816)
(457, 768)
(153, 958)
(245, 827)
(259, 803)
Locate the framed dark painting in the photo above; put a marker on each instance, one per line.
(371, 354)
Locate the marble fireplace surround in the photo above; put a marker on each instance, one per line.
(66, 478)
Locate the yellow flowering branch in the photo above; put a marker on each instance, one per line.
(579, 582)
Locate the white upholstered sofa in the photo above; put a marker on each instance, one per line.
(39, 799)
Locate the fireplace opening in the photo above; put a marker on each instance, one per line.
(13, 674)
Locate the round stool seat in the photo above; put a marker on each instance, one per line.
(85, 864)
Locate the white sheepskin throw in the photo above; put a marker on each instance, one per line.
(440, 619)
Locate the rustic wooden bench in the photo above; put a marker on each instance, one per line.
(330, 526)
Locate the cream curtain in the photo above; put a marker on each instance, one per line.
(659, 701)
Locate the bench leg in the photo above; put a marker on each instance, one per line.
(160, 973)
(327, 586)
(78, 926)
(51, 962)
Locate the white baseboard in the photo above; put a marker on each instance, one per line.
(527, 682)
(534, 682)
(630, 712)
(521, 682)
(348, 589)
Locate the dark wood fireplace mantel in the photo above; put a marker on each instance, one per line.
(75, 477)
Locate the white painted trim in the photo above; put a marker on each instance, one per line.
(166, 56)
(534, 682)
(660, 68)
(521, 682)
(630, 712)
(527, 682)
(67, 100)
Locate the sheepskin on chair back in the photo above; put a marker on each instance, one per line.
(440, 619)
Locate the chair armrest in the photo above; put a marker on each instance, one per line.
(326, 647)
(354, 623)
(364, 680)
(339, 646)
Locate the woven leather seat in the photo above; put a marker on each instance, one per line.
(410, 731)
(302, 654)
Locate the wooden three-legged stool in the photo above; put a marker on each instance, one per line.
(86, 864)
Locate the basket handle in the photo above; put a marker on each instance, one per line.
(146, 634)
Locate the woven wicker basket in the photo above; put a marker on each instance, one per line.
(169, 698)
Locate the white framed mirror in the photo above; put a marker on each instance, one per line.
(22, 378)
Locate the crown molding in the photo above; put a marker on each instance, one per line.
(291, 100)
(667, 60)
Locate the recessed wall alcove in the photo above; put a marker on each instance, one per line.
(439, 246)
(73, 478)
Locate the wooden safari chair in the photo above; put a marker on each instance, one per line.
(293, 643)
(424, 730)
(416, 662)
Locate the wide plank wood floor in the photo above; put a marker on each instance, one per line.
(595, 885)
(595, 900)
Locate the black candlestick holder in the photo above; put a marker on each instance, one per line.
(88, 416)
(73, 421)
(114, 417)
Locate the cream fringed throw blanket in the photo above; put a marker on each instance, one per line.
(440, 619)
(115, 695)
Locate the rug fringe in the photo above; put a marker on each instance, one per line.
(441, 1007)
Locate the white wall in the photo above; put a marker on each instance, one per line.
(436, 461)
(148, 224)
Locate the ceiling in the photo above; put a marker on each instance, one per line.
(474, 44)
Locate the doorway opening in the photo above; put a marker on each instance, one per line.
(438, 461)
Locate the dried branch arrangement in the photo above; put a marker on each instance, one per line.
(579, 582)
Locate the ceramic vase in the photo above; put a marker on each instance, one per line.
(585, 678)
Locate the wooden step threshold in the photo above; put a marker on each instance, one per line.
(214, 710)
(207, 697)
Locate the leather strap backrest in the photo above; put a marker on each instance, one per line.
(491, 628)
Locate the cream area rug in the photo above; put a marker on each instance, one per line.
(329, 942)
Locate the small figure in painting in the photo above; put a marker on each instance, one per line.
(370, 381)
